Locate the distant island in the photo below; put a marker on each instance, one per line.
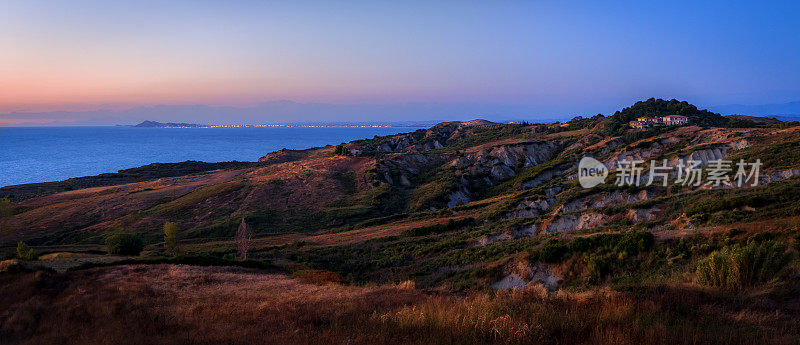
(156, 124)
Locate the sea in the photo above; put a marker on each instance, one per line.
(41, 154)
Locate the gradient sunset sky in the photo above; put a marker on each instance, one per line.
(558, 56)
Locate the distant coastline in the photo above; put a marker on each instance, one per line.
(93, 150)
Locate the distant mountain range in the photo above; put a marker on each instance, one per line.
(285, 112)
(778, 110)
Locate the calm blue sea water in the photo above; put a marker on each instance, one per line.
(56, 153)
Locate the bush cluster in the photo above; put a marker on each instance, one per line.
(738, 267)
(595, 257)
(124, 244)
(24, 252)
(623, 244)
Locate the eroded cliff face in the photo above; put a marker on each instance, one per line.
(472, 170)
(502, 162)
(401, 168)
(605, 199)
(491, 166)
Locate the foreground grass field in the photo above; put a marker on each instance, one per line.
(176, 304)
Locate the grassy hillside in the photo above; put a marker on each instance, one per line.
(460, 209)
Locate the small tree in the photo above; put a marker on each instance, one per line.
(243, 239)
(24, 252)
(341, 150)
(171, 238)
(124, 244)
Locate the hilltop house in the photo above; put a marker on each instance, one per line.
(669, 120)
(649, 120)
(636, 124)
(354, 149)
(677, 120)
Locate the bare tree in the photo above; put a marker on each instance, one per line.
(243, 239)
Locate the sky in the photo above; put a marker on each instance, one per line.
(94, 61)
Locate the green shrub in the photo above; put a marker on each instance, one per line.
(627, 243)
(24, 252)
(598, 268)
(124, 244)
(552, 251)
(341, 150)
(735, 268)
(581, 244)
(632, 243)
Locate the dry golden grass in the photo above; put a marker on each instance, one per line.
(199, 200)
(168, 304)
(373, 232)
(332, 239)
(83, 208)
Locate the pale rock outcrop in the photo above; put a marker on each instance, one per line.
(575, 222)
(459, 197)
(525, 231)
(523, 274)
(530, 208)
(511, 281)
(774, 176)
(642, 215)
(491, 238)
(602, 200)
